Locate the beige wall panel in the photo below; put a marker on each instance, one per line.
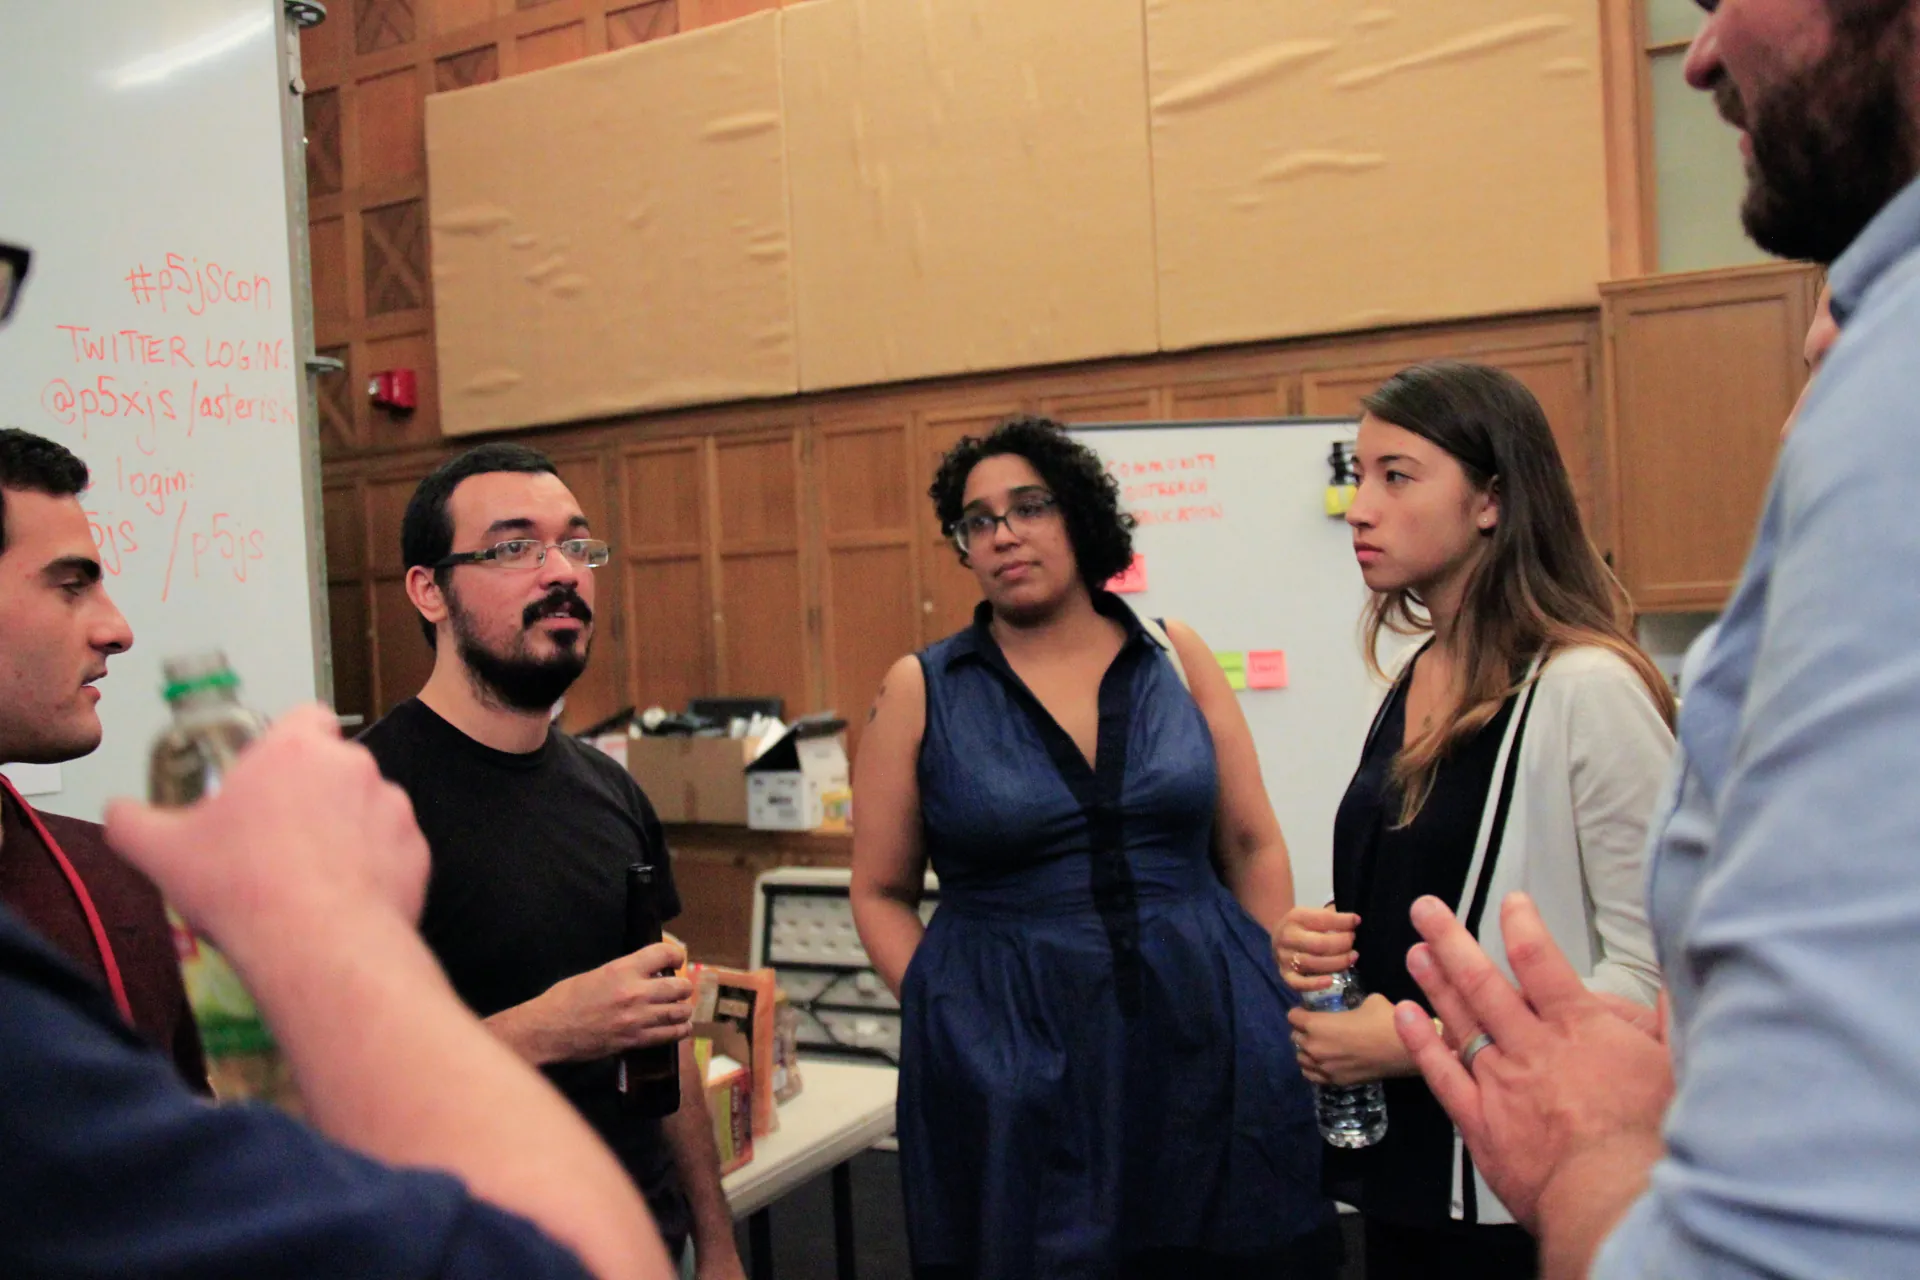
(611, 235)
(1322, 165)
(971, 185)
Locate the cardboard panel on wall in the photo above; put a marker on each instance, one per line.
(611, 235)
(971, 185)
(1322, 165)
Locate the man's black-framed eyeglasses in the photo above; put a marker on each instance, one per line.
(531, 553)
(14, 262)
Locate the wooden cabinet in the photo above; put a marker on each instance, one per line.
(662, 553)
(867, 514)
(1702, 371)
(790, 548)
(716, 600)
(601, 689)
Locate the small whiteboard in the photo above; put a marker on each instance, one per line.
(162, 337)
(1236, 542)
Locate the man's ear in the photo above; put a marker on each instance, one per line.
(425, 592)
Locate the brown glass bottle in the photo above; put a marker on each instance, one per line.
(649, 1078)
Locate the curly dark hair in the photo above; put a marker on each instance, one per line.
(1100, 532)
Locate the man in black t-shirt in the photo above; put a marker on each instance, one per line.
(531, 832)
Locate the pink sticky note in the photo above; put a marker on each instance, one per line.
(1130, 579)
(1266, 669)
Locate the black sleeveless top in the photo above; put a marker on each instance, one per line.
(1378, 871)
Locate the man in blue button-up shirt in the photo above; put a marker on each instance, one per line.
(1785, 893)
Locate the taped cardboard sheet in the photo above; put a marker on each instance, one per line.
(1323, 165)
(970, 185)
(611, 235)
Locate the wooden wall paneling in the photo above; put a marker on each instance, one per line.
(349, 626)
(948, 591)
(635, 23)
(1701, 373)
(662, 551)
(863, 482)
(1261, 396)
(344, 511)
(446, 16)
(1118, 404)
(764, 626)
(706, 13)
(403, 659)
(387, 498)
(601, 689)
(1632, 223)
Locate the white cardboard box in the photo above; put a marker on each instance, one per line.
(785, 785)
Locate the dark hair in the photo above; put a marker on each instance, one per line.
(1100, 532)
(1540, 587)
(35, 464)
(426, 531)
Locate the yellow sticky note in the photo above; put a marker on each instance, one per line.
(1235, 667)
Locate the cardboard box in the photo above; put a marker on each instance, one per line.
(692, 779)
(729, 1091)
(730, 1003)
(788, 784)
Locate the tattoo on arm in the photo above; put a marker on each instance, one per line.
(874, 710)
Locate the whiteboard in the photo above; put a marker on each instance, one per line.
(162, 337)
(1237, 544)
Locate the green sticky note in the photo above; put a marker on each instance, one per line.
(1235, 667)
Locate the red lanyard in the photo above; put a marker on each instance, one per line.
(107, 961)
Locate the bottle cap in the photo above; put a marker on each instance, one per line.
(196, 672)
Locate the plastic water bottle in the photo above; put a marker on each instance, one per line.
(209, 729)
(1355, 1115)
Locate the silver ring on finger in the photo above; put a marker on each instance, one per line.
(1471, 1050)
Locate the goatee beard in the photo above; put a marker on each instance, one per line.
(518, 681)
(1834, 146)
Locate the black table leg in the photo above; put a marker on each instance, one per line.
(760, 1244)
(843, 1221)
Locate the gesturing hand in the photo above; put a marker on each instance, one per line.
(1566, 1074)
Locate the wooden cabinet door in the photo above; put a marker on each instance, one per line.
(1117, 404)
(1702, 371)
(666, 608)
(1260, 396)
(402, 656)
(763, 638)
(868, 518)
(350, 639)
(602, 688)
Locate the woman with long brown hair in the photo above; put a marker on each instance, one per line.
(1522, 747)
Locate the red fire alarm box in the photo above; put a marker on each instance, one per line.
(393, 389)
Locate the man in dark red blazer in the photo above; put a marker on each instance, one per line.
(57, 630)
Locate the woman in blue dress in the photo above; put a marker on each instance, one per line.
(1095, 1079)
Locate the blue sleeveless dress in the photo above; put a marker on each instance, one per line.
(1095, 1060)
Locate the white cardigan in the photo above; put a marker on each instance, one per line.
(1571, 816)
